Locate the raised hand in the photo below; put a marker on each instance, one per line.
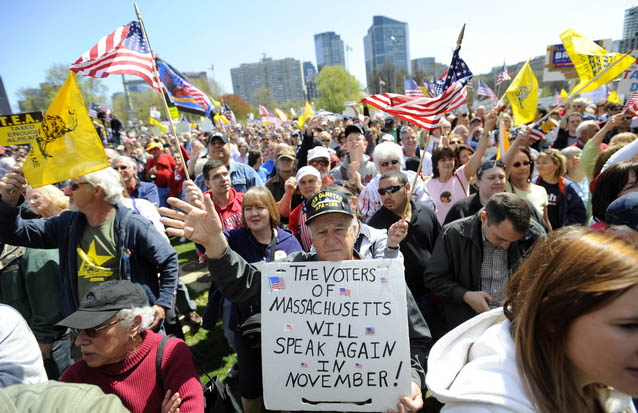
(12, 185)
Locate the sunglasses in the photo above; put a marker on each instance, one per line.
(627, 118)
(95, 331)
(389, 190)
(488, 165)
(518, 164)
(122, 167)
(455, 142)
(322, 162)
(386, 163)
(76, 185)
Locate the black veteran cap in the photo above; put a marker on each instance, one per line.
(326, 202)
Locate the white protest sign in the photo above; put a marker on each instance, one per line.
(183, 127)
(629, 79)
(334, 335)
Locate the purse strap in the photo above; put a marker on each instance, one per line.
(158, 361)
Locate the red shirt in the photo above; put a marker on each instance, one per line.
(165, 167)
(175, 184)
(230, 215)
(133, 379)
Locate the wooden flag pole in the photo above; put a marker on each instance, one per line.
(159, 82)
(427, 143)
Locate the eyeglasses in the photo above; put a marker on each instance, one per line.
(76, 185)
(322, 162)
(627, 118)
(455, 142)
(518, 164)
(386, 163)
(389, 190)
(489, 165)
(95, 331)
(120, 168)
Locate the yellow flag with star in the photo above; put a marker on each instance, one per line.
(589, 60)
(522, 94)
(67, 145)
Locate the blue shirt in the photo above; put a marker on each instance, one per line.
(146, 190)
(242, 177)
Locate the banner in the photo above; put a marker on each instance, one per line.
(19, 128)
(334, 335)
(522, 94)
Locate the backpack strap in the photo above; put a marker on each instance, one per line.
(158, 361)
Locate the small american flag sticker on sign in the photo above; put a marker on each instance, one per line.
(384, 280)
(369, 331)
(304, 365)
(345, 292)
(276, 283)
(288, 327)
(358, 365)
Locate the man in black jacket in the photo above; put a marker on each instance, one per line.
(475, 256)
(416, 247)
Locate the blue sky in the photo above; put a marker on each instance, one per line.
(193, 35)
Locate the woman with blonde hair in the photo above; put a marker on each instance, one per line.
(565, 206)
(47, 201)
(565, 341)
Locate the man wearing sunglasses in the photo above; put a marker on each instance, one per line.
(98, 240)
(417, 246)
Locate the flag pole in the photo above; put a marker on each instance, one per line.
(159, 82)
(427, 143)
(574, 94)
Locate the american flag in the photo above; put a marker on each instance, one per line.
(123, 52)
(484, 90)
(276, 283)
(631, 106)
(458, 70)
(424, 112)
(229, 113)
(345, 292)
(412, 89)
(539, 131)
(503, 75)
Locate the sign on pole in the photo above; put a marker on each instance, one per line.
(19, 128)
(558, 65)
(334, 335)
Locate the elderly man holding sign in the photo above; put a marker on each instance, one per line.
(333, 232)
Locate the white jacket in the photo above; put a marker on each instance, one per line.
(473, 369)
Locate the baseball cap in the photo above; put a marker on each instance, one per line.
(624, 211)
(217, 135)
(318, 152)
(152, 146)
(308, 170)
(287, 152)
(353, 129)
(326, 202)
(103, 301)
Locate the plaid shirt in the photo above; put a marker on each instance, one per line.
(494, 272)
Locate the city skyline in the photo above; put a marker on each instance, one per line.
(236, 34)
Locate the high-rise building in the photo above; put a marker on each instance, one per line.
(5, 107)
(422, 64)
(387, 39)
(283, 77)
(309, 74)
(329, 50)
(630, 30)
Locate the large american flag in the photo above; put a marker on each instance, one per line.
(412, 89)
(631, 106)
(503, 75)
(123, 52)
(424, 112)
(458, 70)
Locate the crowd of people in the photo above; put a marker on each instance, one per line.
(521, 268)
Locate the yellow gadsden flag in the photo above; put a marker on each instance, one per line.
(67, 145)
(307, 115)
(161, 127)
(589, 60)
(523, 95)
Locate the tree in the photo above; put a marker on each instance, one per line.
(389, 74)
(32, 99)
(336, 86)
(142, 102)
(264, 97)
(215, 88)
(239, 106)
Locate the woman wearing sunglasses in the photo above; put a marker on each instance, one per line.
(388, 156)
(450, 184)
(520, 181)
(119, 352)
